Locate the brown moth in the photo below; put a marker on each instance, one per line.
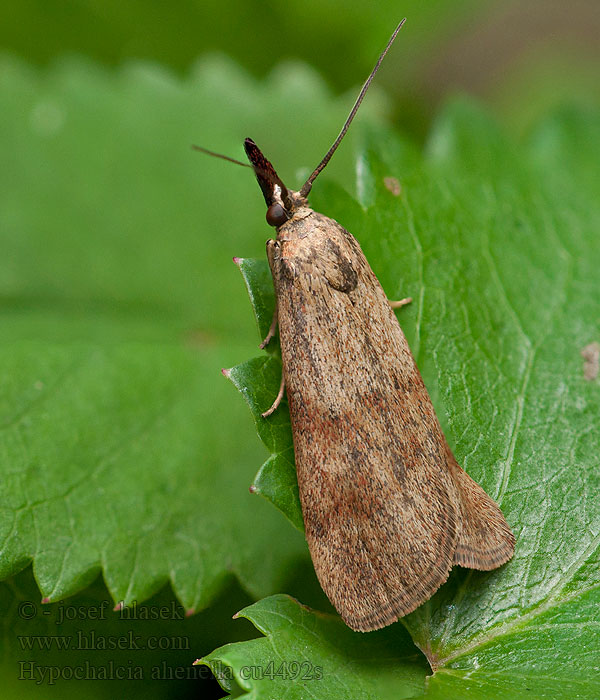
(387, 509)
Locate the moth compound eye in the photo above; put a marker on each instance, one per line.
(276, 215)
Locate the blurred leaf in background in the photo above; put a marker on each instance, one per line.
(522, 57)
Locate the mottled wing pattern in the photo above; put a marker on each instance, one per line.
(387, 510)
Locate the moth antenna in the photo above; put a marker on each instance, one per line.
(220, 155)
(231, 160)
(308, 184)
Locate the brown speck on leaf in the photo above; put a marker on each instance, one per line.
(591, 361)
(198, 338)
(393, 185)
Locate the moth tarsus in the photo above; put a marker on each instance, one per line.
(278, 399)
(400, 303)
(271, 332)
(387, 509)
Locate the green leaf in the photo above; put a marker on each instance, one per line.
(276, 479)
(257, 277)
(310, 654)
(498, 246)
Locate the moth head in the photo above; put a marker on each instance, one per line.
(280, 201)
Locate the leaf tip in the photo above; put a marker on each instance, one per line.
(189, 612)
(45, 600)
(119, 606)
(238, 261)
(253, 488)
(226, 372)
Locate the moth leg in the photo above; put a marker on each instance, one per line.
(398, 304)
(278, 398)
(272, 245)
(271, 332)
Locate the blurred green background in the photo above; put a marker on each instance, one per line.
(520, 56)
(117, 231)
